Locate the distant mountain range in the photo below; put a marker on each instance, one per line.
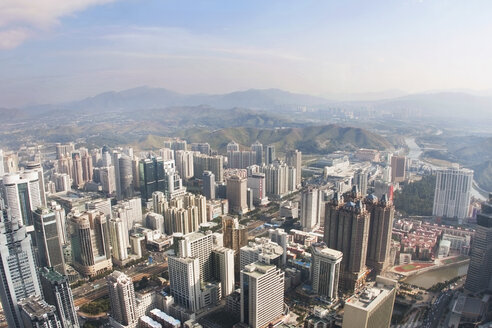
(443, 105)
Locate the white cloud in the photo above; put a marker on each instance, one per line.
(21, 19)
(13, 37)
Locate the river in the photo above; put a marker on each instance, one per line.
(429, 278)
(414, 153)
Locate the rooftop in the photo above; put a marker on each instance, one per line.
(35, 306)
(370, 297)
(151, 322)
(166, 317)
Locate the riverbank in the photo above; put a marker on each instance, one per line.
(430, 276)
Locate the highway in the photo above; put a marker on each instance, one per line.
(98, 289)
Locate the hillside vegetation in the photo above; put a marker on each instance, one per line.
(310, 139)
(416, 198)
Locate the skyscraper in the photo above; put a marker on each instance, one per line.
(452, 193)
(87, 168)
(479, 277)
(91, 251)
(232, 146)
(373, 307)
(215, 164)
(263, 250)
(208, 185)
(196, 245)
(311, 201)
(223, 265)
(36, 313)
(2, 168)
(122, 299)
(77, 175)
(184, 277)
(118, 237)
(235, 236)
(125, 167)
(347, 230)
(279, 236)
(398, 168)
(360, 180)
(151, 173)
(236, 194)
(256, 182)
(48, 239)
(57, 292)
(18, 276)
(22, 195)
(203, 148)
(379, 244)
(116, 164)
(36, 167)
(257, 147)
(325, 270)
(269, 154)
(293, 158)
(262, 294)
(184, 163)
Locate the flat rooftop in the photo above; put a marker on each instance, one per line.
(371, 296)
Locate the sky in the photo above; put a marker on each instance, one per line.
(61, 50)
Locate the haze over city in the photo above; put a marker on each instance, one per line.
(245, 164)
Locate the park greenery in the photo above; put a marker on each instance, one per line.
(416, 198)
(95, 307)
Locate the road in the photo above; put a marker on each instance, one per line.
(437, 310)
(98, 289)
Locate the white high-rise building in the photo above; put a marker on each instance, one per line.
(36, 167)
(122, 299)
(293, 158)
(155, 221)
(22, 195)
(61, 221)
(197, 245)
(62, 182)
(102, 205)
(184, 163)
(184, 278)
(261, 249)
(223, 262)
(19, 278)
(262, 295)
(2, 168)
(325, 270)
(311, 202)
(119, 240)
(256, 182)
(280, 237)
(159, 202)
(373, 307)
(232, 146)
(452, 193)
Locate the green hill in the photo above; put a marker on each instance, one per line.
(310, 139)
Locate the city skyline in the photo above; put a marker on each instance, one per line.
(333, 50)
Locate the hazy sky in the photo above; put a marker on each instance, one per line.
(59, 50)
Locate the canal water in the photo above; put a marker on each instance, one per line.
(429, 278)
(414, 153)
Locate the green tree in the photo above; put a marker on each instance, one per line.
(416, 198)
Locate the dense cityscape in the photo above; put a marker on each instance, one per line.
(245, 164)
(186, 237)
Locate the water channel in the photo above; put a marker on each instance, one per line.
(429, 278)
(414, 153)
